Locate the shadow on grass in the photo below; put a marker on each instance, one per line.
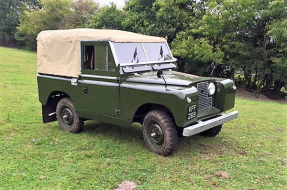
(95, 128)
(133, 134)
(117, 134)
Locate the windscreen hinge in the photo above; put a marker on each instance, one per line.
(74, 81)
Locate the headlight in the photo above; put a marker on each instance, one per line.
(211, 89)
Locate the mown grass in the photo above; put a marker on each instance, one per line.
(250, 152)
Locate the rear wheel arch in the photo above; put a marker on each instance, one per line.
(57, 95)
(49, 107)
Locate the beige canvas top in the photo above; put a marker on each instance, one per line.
(96, 34)
(58, 51)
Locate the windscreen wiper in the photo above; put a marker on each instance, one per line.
(135, 56)
(160, 53)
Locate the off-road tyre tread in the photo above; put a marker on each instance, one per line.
(168, 128)
(78, 122)
(212, 132)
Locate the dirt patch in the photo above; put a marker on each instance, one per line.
(221, 174)
(126, 185)
(252, 96)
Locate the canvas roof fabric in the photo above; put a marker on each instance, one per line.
(59, 53)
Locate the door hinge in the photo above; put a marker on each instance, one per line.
(117, 111)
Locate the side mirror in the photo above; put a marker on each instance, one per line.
(159, 73)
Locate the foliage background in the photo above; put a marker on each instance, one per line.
(246, 39)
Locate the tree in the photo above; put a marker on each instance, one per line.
(197, 53)
(166, 19)
(109, 17)
(9, 18)
(82, 13)
(278, 30)
(140, 16)
(241, 34)
(52, 15)
(160, 17)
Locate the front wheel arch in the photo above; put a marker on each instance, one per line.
(146, 108)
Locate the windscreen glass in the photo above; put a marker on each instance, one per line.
(157, 51)
(142, 52)
(130, 52)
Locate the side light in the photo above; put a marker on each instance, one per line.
(211, 89)
(188, 100)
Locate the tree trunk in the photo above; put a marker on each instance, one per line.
(2, 38)
(181, 66)
(278, 85)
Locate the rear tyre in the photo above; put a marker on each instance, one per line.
(160, 133)
(211, 132)
(67, 117)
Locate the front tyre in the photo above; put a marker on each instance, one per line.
(67, 117)
(159, 133)
(212, 132)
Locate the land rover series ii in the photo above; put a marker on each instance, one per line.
(119, 77)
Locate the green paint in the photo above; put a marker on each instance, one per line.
(96, 98)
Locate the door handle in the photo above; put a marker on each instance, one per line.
(85, 90)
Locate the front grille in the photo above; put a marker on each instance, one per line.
(205, 101)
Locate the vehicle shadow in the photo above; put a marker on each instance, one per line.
(133, 134)
(116, 133)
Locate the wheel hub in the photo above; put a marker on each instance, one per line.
(156, 134)
(153, 135)
(67, 116)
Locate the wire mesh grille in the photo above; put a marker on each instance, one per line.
(205, 101)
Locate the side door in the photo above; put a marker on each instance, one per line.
(98, 82)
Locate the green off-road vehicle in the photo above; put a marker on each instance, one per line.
(119, 78)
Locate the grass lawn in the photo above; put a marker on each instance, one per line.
(249, 153)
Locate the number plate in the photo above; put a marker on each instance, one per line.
(191, 112)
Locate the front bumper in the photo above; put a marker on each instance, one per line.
(208, 124)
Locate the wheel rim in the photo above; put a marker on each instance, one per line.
(67, 116)
(155, 135)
